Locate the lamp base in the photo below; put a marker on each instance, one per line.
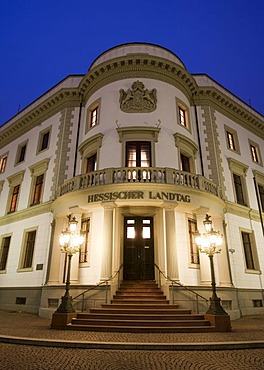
(61, 320)
(215, 307)
(66, 305)
(221, 323)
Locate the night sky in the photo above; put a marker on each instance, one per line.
(43, 41)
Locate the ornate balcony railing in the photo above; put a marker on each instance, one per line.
(139, 175)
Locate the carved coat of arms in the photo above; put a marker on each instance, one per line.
(137, 99)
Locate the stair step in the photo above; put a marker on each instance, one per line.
(142, 329)
(140, 311)
(139, 296)
(140, 302)
(142, 316)
(141, 323)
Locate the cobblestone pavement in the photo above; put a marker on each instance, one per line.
(32, 357)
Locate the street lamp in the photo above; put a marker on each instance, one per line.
(210, 243)
(70, 242)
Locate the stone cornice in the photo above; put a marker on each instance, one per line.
(49, 107)
(242, 211)
(26, 213)
(230, 108)
(137, 66)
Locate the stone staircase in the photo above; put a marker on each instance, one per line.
(140, 306)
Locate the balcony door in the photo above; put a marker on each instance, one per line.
(138, 248)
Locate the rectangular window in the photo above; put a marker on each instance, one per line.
(254, 153)
(85, 228)
(182, 117)
(239, 189)
(194, 252)
(91, 164)
(231, 141)
(94, 117)
(3, 161)
(4, 252)
(138, 154)
(185, 163)
(21, 152)
(261, 196)
(248, 251)
(14, 198)
(37, 189)
(29, 249)
(45, 141)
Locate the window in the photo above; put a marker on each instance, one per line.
(89, 151)
(4, 252)
(44, 139)
(194, 252)
(238, 173)
(239, 189)
(138, 154)
(232, 139)
(255, 152)
(249, 250)
(187, 152)
(185, 163)
(182, 114)
(28, 249)
(14, 184)
(93, 114)
(91, 163)
(21, 153)
(37, 189)
(38, 171)
(3, 161)
(85, 229)
(14, 199)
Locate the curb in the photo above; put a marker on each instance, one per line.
(209, 346)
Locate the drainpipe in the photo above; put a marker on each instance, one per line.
(77, 136)
(259, 205)
(199, 139)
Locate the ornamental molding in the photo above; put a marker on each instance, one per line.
(138, 99)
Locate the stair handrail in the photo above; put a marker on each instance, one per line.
(111, 278)
(181, 285)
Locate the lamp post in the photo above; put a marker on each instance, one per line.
(70, 242)
(210, 243)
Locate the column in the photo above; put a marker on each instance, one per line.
(106, 270)
(171, 251)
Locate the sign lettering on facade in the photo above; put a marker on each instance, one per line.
(137, 194)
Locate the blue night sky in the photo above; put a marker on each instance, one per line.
(42, 42)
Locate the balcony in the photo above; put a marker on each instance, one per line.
(139, 175)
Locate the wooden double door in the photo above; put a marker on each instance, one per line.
(138, 248)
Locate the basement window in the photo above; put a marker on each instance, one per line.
(21, 300)
(257, 303)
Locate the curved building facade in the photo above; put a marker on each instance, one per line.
(139, 151)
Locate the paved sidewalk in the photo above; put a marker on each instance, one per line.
(24, 328)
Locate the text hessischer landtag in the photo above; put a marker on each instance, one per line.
(137, 194)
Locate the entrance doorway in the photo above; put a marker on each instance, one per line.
(138, 248)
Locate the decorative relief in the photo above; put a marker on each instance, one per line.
(138, 99)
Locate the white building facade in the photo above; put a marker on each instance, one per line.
(139, 151)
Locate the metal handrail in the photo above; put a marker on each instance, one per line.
(111, 278)
(181, 285)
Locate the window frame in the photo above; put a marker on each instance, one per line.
(19, 152)
(26, 253)
(235, 142)
(259, 178)
(6, 253)
(254, 267)
(42, 134)
(181, 107)
(36, 170)
(188, 148)
(239, 169)
(3, 162)
(257, 154)
(95, 106)
(14, 181)
(89, 148)
(138, 145)
(84, 251)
